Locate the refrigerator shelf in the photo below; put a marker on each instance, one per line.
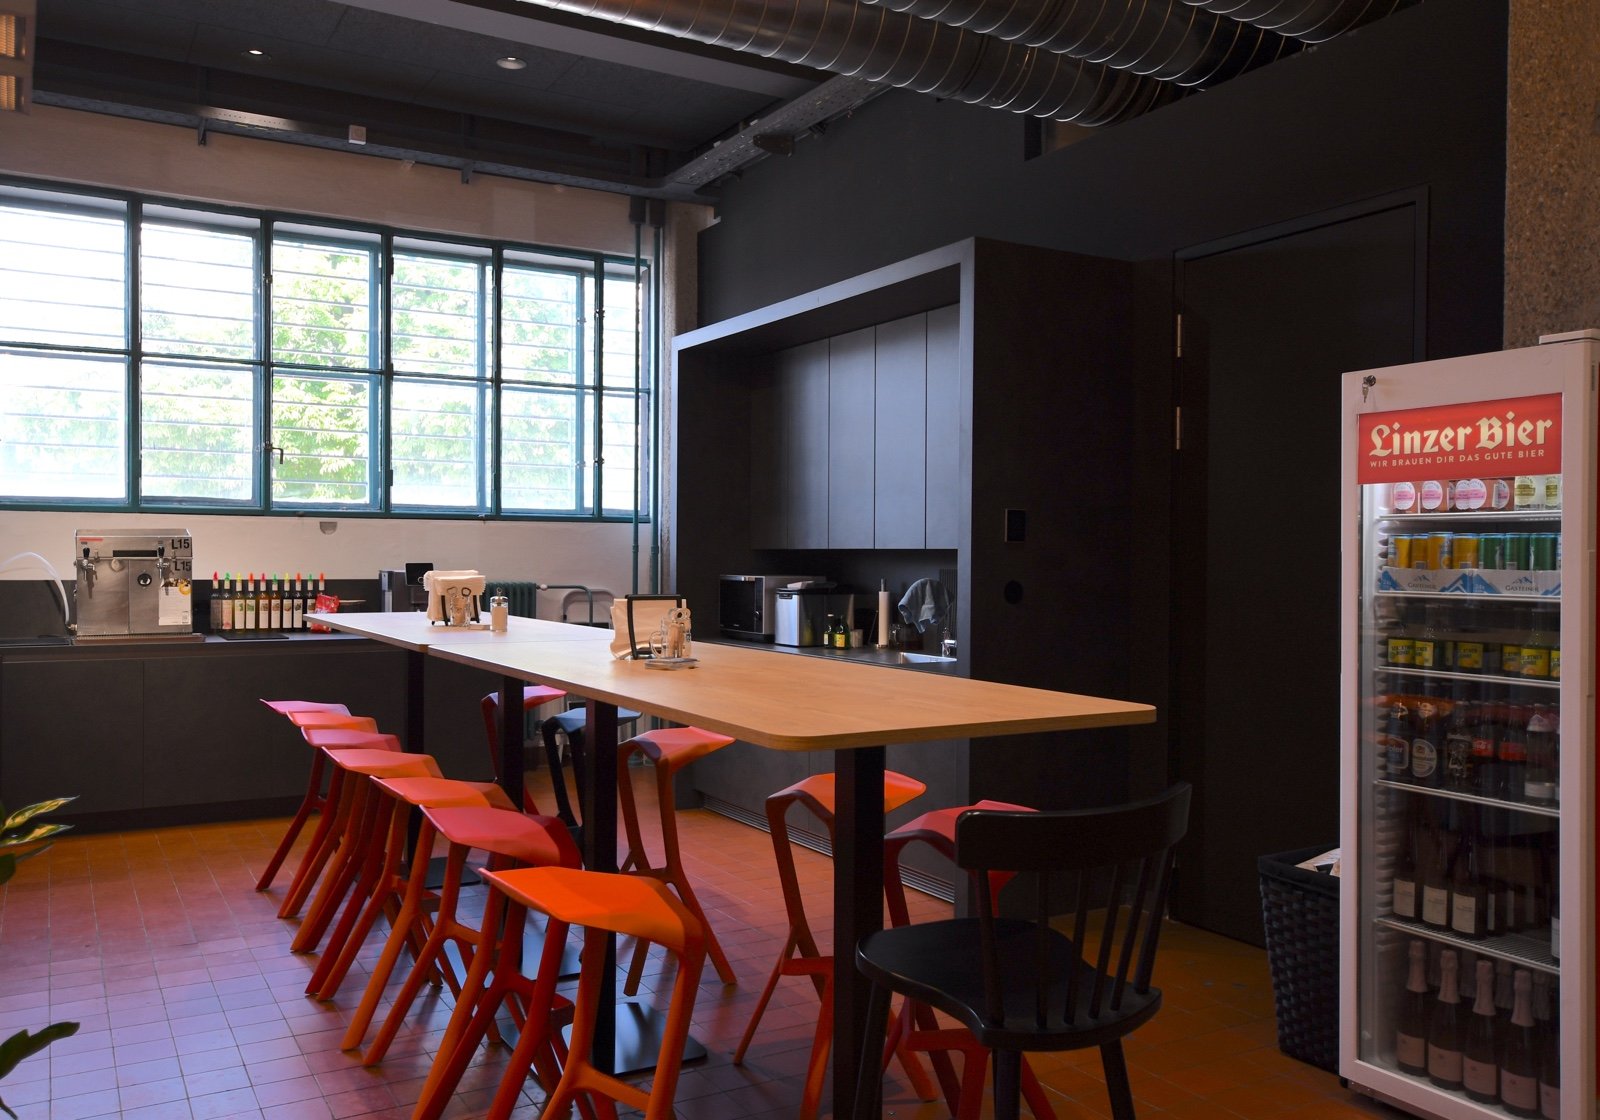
(1494, 515)
(1471, 596)
(1472, 798)
(1484, 678)
(1517, 948)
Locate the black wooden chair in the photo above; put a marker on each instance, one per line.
(1010, 975)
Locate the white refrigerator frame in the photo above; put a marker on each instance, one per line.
(1566, 364)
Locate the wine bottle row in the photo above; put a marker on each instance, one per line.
(1476, 871)
(1487, 1031)
(262, 601)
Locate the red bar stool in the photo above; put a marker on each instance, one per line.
(511, 839)
(381, 884)
(533, 696)
(917, 1029)
(357, 810)
(603, 904)
(330, 825)
(312, 801)
(816, 794)
(668, 750)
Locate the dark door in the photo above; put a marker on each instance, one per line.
(1270, 321)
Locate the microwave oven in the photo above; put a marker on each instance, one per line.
(747, 605)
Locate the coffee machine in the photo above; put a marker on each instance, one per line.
(401, 589)
(133, 583)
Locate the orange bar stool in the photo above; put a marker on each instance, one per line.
(533, 696)
(313, 801)
(511, 839)
(603, 904)
(358, 814)
(382, 882)
(917, 1029)
(668, 750)
(817, 795)
(330, 825)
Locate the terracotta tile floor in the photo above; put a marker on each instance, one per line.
(192, 1006)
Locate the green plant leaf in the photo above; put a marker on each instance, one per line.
(22, 816)
(33, 835)
(24, 1045)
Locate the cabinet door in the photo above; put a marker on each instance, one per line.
(851, 410)
(73, 728)
(900, 433)
(803, 396)
(768, 472)
(943, 459)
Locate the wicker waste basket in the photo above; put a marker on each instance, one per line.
(1300, 910)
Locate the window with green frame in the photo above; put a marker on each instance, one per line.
(157, 355)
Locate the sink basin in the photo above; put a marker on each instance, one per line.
(925, 659)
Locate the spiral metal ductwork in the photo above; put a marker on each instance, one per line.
(1176, 41)
(888, 48)
(1309, 21)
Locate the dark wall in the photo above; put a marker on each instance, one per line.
(1416, 100)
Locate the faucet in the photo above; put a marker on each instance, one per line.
(947, 644)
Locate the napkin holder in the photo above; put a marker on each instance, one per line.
(454, 598)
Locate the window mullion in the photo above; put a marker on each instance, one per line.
(261, 421)
(382, 452)
(135, 362)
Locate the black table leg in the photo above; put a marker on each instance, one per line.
(599, 796)
(512, 721)
(857, 911)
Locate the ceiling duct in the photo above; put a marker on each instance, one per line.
(1176, 41)
(888, 48)
(1310, 21)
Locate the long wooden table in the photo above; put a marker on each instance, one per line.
(790, 704)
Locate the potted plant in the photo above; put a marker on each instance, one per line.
(21, 837)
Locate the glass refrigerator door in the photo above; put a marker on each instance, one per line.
(1461, 730)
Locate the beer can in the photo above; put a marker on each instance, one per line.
(1419, 550)
(1519, 552)
(1400, 550)
(1492, 551)
(1399, 651)
(1439, 551)
(1544, 552)
(1464, 550)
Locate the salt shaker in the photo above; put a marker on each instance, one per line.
(499, 612)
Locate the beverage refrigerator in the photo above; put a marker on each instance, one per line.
(1467, 728)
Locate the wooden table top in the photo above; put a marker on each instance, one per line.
(412, 630)
(796, 703)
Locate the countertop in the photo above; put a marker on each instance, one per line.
(871, 655)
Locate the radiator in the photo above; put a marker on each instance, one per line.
(523, 594)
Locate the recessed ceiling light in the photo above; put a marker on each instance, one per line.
(511, 62)
(256, 53)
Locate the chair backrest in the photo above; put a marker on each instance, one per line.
(641, 618)
(1106, 871)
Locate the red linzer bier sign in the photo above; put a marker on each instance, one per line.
(1520, 435)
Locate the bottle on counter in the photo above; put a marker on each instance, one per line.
(275, 598)
(251, 614)
(238, 604)
(499, 612)
(297, 605)
(221, 604)
(263, 605)
(1411, 1035)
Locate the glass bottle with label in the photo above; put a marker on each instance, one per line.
(1535, 661)
(251, 613)
(1480, 1068)
(1425, 742)
(1445, 1027)
(1397, 742)
(1404, 881)
(1519, 1061)
(1539, 779)
(1436, 880)
(1456, 762)
(239, 616)
(222, 604)
(1511, 752)
(1469, 903)
(1411, 1034)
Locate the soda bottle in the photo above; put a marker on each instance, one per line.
(1425, 742)
(1539, 779)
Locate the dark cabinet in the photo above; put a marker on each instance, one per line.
(851, 402)
(789, 450)
(900, 434)
(942, 440)
(73, 728)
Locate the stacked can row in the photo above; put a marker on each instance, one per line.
(1517, 552)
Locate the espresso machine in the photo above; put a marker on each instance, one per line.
(133, 584)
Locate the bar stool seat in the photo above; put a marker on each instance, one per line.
(533, 696)
(602, 904)
(356, 811)
(669, 750)
(510, 839)
(312, 800)
(817, 794)
(326, 837)
(917, 1029)
(381, 883)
